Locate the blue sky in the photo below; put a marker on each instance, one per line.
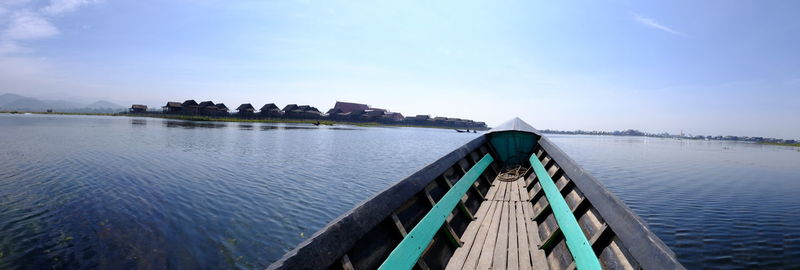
(705, 67)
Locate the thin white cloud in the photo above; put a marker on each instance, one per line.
(57, 7)
(24, 20)
(652, 23)
(27, 25)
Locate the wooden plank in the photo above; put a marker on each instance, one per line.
(515, 187)
(477, 247)
(469, 235)
(522, 238)
(346, 264)
(507, 195)
(501, 190)
(602, 230)
(487, 251)
(399, 225)
(523, 192)
(538, 258)
(536, 192)
(501, 246)
(550, 240)
(542, 214)
(513, 251)
(483, 232)
(406, 254)
(511, 191)
(491, 192)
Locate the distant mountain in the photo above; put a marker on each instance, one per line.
(26, 104)
(14, 102)
(8, 98)
(102, 104)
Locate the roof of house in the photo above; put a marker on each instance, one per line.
(189, 102)
(245, 106)
(307, 108)
(350, 107)
(206, 103)
(138, 106)
(174, 104)
(221, 106)
(290, 107)
(270, 106)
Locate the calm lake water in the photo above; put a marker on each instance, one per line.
(115, 192)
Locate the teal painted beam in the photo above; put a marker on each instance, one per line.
(406, 254)
(578, 245)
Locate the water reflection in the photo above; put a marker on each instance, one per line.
(191, 124)
(138, 122)
(267, 128)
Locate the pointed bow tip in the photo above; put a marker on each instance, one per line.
(515, 124)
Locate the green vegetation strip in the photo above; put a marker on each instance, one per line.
(406, 254)
(577, 243)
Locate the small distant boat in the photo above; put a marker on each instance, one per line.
(317, 123)
(462, 131)
(509, 199)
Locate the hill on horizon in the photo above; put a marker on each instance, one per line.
(17, 102)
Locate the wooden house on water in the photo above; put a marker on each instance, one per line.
(222, 109)
(270, 110)
(393, 117)
(302, 111)
(372, 114)
(208, 108)
(348, 111)
(173, 107)
(190, 107)
(137, 108)
(246, 110)
(419, 120)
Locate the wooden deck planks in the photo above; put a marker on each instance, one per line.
(522, 238)
(503, 236)
(470, 235)
(538, 259)
(513, 242)
(487, 250)
(501, 244)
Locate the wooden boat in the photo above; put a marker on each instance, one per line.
(509, 199)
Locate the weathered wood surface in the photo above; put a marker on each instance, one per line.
(504, 235)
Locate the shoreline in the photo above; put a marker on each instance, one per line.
(234, 119)
(781, 144)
